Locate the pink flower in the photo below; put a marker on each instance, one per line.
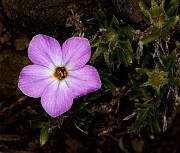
(58, 75)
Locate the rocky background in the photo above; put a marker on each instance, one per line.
(20, 20)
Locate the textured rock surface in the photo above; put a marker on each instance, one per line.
(48, 16)
(128, 10)
(11, 63)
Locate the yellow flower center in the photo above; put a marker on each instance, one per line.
(157, 78)
(60, 73)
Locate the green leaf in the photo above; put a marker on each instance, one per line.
(94, 40)
(104, 75)
(162, 3)
(124, 55)
(157, 11)
(144, 10)
(128, 57)
(155, 122)
(135, 95)
(171, 61)
(107, 37)
(175, 81)
(107, 59)
(126, 45)
(170, 23)
(101, 18)
(115, 22)
(113, 45)
(126, 32)
(173, 2)
(107, 83)
(146, 59)
(141, 116)
(173, 5)
(151, 37)
(150, 122)
(146, 21)
(37, 124)
(79, 107)
(100, 49)
(159, 32)
(141, 70)
(123, 58)
(94, 96)
(44, 135)
(143, 106)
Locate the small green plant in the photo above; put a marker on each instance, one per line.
(113, 41)
(154, 91)
(156, 78)
(160, 21)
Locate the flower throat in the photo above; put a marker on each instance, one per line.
(60, 73)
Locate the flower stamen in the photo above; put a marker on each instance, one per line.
(60, 73)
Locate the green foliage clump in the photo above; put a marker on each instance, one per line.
(113, 41)
(155, 93)
(160, 21)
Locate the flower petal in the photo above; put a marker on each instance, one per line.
(46, 51)
(83, 81)
(76, 52)
(57, 98)
(33, 79)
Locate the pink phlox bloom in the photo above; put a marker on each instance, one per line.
(58, 75)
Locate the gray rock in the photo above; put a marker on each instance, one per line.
(129, 10)
(11, 63)
(48, 16)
